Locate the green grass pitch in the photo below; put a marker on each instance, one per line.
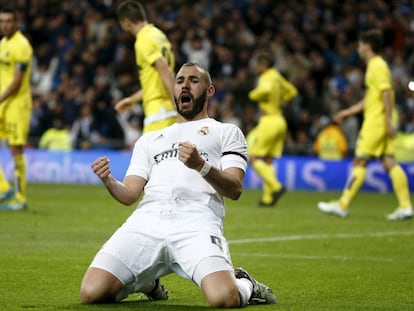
(311, 261)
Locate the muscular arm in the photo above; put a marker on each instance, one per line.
(167, 76)
(228, 183)
(289, 90)
(13, 86)
(127, 102)
(126, 192)
(261, 91)
(137, 96)
(345, 113)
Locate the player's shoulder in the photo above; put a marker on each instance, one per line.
(151, 136)
(150, 32)
(227, 129)
(271, 72)
(216, 124)
(21, 41)
(378, 62)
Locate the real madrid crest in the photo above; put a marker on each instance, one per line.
(203, 131)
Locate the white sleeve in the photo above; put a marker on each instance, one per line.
(140, 164)
(234, 152)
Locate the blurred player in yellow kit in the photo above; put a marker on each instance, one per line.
(15, 105)
(377, 134)
(266, 140)
(155, 61)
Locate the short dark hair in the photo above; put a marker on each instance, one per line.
(203, 71)
(374, 38)
(9, 10)
(132, 10)
(267, 57)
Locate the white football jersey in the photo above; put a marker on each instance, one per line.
(155, 158)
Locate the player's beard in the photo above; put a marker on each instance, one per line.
(198, 104)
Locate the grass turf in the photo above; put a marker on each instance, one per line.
(311, 261)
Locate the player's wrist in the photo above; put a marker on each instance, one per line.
(205, 169)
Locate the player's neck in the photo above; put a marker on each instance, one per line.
(137, 27)
(12, 34)
(369, 56)
(181, 119)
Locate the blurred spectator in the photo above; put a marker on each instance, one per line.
(314, 43)
(39, 120)
(57, 137)
(132, 128)
(197, 48)
(330, 143)
(404, 147)
(43, 75)
(83, 134)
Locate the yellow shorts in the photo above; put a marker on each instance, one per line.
(373, 144)
(268, 137)
(15, 123)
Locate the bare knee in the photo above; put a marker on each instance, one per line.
(88, 294)
(388, 162)
(99, 286)
(220, 290)
(225, 297)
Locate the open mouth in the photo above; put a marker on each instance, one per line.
(186, 99)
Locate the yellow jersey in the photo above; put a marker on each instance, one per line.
(377, 79)
(151, 44)
(16, 51)
(272, 91)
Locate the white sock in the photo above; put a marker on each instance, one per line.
(146, 288)
(132, 288)
(245, 290)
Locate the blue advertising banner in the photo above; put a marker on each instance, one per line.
(72, 167)
(306, 173)
(296, 173)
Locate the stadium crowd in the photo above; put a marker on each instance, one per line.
(84, 63)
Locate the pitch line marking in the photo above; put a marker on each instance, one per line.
(322, 236)
(311, 257)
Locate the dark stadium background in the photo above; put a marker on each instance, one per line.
(82, 58)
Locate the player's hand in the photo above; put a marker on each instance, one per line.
(188, 154)
(340, 116)
(391, 131)
(101, 167)
(124, 105)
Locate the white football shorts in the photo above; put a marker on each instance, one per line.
(158, 239)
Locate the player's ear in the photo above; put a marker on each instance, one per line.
(125, 23)
(211, 90)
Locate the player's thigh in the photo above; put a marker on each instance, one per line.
(199, 248)
(3, 133)
(16, 126)
(136, 251)
(389, 146)
(268, 136)
(262, 137)
(278, 144)
(371, 144)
